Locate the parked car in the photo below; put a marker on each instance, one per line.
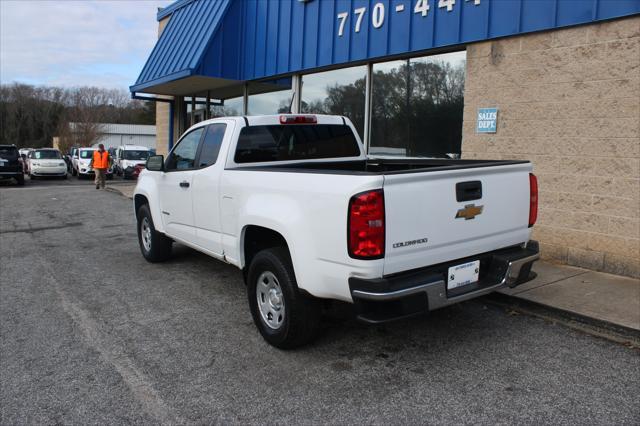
(73, 153)
(25, 151)
(129, 156)
(68, 158)
(82, 159)
(46, 162)
(294, 202)
(24, 155)
(24, 161)
(11, 166)
(137, 169)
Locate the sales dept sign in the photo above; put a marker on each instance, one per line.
(487, 120)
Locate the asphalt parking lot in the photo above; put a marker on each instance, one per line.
(92, 333)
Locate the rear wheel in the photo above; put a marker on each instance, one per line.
(154, 245)
(285, 317)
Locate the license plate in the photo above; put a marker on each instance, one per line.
(464, 274)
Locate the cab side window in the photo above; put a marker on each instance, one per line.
(211, 144)
(183, 156)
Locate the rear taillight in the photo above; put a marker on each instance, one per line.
(366, 225)
(298, 119)
(533, 199)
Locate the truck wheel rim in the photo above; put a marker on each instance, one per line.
(270, 300)
(145, 233)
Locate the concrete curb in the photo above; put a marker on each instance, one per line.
(596, 326)
(118, 191)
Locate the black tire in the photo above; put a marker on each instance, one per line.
(159, 248)
(109, 177)
(20, 179)
(301, 313)
(73, 171)
(32, 177)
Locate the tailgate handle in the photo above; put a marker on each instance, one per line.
(468, 191)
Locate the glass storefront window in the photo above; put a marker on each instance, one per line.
(231, 106)
(270, 97)
(417, 106)
(340, 92)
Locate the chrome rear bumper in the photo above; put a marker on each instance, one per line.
(425, 290)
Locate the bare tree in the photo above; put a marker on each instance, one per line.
(31, 116)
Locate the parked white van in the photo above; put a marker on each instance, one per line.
(128, 157)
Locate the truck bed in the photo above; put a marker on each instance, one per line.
(426, 202)
(382, 166)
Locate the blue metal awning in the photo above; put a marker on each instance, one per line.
(213, 46)
(183, 43)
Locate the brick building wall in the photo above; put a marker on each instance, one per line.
(569, 100)
(162, 113)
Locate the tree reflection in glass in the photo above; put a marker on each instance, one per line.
(338, 92)
(417, 106)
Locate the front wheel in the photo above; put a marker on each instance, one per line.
(154, 245)
(20, 179)
(285, 317)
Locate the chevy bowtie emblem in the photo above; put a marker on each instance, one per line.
(469, 212)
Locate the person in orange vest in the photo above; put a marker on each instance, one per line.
(100, 163)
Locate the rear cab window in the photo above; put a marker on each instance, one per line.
(267, 143)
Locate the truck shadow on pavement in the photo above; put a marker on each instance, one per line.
(465, 324)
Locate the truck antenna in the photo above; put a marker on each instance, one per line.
(291, 103)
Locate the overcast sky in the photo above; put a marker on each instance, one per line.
(76, 42)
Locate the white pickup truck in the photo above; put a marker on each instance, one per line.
(294, 202)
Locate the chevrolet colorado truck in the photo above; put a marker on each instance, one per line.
(294, 202)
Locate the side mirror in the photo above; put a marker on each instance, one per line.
(155, 163)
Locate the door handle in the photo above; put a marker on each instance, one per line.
(184, 184)
(469, 191)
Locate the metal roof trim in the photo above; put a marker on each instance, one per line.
(179, 50)
(164, 79)
(166, 11)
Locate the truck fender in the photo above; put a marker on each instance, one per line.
(142, 193)
(279, 214)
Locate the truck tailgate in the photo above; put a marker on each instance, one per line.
(421, 208)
